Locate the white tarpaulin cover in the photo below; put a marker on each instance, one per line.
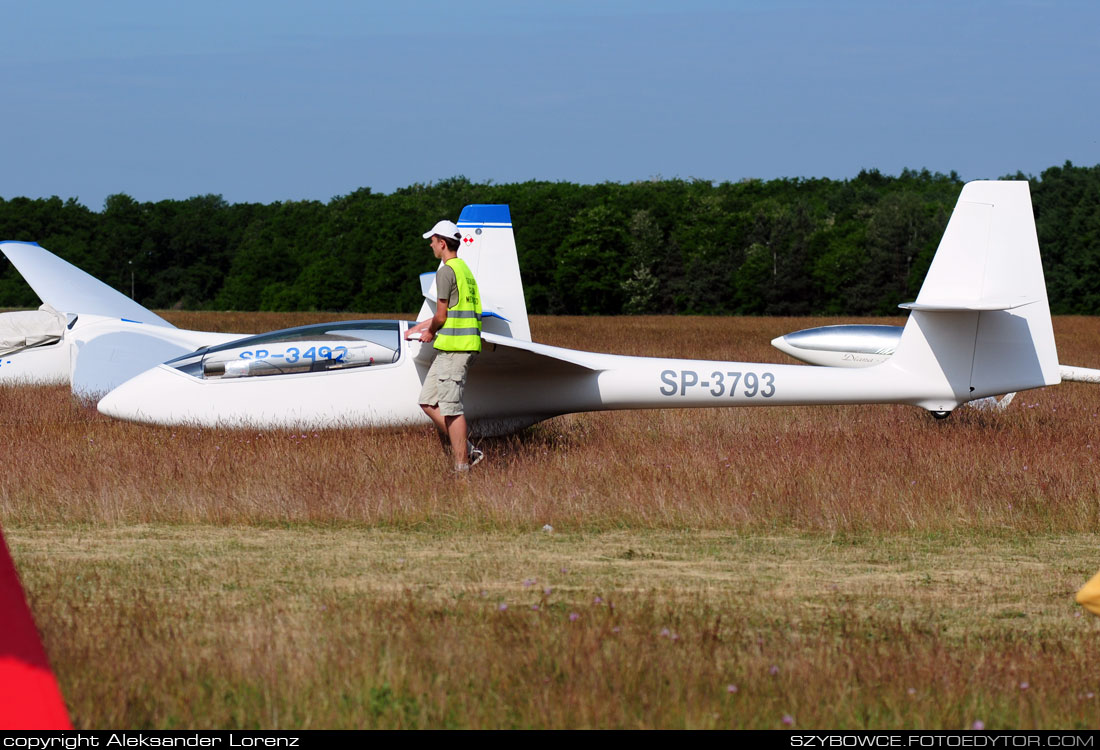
(23, 329)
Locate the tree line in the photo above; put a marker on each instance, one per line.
(755, 247)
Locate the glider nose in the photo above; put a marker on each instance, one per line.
(782, 344)
(113, 404)
(137, 398)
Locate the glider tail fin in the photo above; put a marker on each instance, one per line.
(489, 249)
(981, 323)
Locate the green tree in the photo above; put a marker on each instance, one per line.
(591, 267)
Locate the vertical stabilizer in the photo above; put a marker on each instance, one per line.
(489, 249)
(981, 324)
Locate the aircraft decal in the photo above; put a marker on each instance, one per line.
(754, 385)
(853, 357)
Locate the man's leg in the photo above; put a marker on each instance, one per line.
(429, 398)
(453, 429)
(437, 419)
(444, 384)
(456, 430)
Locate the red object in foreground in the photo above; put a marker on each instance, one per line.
(29, 696)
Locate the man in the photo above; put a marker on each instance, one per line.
(456, 330)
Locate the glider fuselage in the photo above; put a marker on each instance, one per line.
(283, 382)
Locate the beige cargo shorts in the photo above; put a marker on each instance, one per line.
(446, 381)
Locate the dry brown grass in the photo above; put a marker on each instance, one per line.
(189, 577)
(885, 468)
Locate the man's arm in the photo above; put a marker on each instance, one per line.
(427, 328)
(444, 281)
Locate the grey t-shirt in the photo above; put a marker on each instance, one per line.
(446, 286)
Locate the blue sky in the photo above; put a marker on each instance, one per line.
(266, 101)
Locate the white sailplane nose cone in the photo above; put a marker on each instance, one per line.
(780, 343)
(138, 398)
(112, 405)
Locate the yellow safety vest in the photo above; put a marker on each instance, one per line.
(461, 332)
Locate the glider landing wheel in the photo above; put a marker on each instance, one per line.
(940, 414)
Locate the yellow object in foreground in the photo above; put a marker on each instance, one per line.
(1089, 595)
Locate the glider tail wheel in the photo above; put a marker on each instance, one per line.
(940, 414)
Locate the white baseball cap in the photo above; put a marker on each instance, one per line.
(444, 228)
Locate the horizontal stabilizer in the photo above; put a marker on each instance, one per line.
(1080, 374)
(948, 306)
(427, 286)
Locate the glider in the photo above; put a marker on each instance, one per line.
(980, 327)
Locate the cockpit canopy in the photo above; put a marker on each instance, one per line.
(312, 348)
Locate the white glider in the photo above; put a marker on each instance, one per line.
(979, 327)
(86, 333)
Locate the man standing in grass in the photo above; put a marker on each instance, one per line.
(456, 329)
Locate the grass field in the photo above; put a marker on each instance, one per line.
(809, 567)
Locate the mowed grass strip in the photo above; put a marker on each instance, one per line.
(208, 626)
